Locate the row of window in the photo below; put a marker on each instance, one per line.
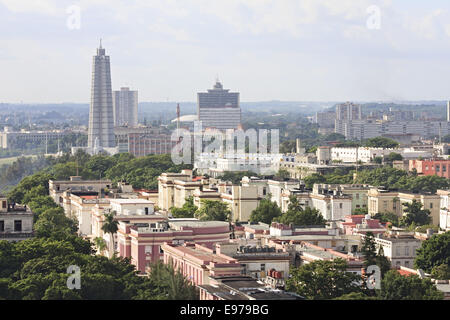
(17, 225)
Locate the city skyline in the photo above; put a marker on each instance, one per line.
(311, 50)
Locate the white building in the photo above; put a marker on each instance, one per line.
(444, 215)
(399, 247)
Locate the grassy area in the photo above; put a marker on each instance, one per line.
(12, 159)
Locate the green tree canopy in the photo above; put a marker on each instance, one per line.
(433, 252)
(381, 142)
(212, 210)
(415, 214)
(394, 286)
(186, 211)
(323, 279)
(266, 211)
(299, 216)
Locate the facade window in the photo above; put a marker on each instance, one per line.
(148, 249)
(263, 267)
(4, 204)
(340, 205)
(161, 250)
(146, 211)
(406, 251)
(397, 251)
(357, 196)
(264, 191)
(444, 168)
(2, 225)
(406, 263)
(17, 225)
(431, 205)
(426, 167)
(438, 167)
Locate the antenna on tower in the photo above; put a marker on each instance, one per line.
(178, 116)
(100, 43)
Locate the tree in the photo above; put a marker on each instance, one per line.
(433, 252)
(265, 212)
(368, 250)
(441, 272)
(323, 279)
(381, 142)
(282, 174)
(415, 214)
(100, 244)
(359, 211)
(386, 217)
(172, 284)
(356, 296)
(299, 216)
(212, 210)
(52, 221)
(371, 256)
(394, 286)
(393, 156)
(186, 211)
(110, 225)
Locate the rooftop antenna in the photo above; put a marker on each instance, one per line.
(100, 43)
(178, 116)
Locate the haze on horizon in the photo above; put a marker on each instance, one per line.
(168, 50)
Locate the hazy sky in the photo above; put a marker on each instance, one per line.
(266, 49)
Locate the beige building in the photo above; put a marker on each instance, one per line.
(399, 247)
(75, 184)
(332, 204)
(174, 188)
(383, 201)
(242, 200)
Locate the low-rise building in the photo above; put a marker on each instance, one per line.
(385, 201)
(257, 260)
(76, 184)
(361, 224)
(242, 288)
(431, 167)
(142, 241)
(398, 246)
(444, 214)
(16, 222)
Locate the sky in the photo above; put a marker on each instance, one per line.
(168, 50)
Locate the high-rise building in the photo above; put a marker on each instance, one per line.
(101, 113)
(219, 108)
(125, 104)
(448, 110)
(348, 111)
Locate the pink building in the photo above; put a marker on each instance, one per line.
(197, 263)
(357, 224)
(142, 243)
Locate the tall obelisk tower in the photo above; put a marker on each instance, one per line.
(101, 113)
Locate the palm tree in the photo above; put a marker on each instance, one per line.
(100, 244)
(110, 226)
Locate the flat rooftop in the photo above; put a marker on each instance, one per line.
(131, 201)
(203, 255)
(197, 224)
